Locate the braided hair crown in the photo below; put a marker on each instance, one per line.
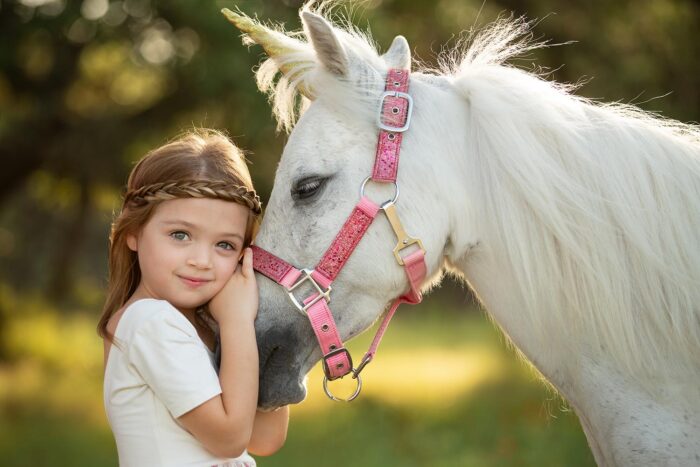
(168, 190)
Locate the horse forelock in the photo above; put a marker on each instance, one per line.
(286, 91)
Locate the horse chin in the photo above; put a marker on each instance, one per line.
(276, 391)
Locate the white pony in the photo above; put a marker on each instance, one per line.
(577, 224)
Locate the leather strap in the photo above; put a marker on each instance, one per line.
(394, 113)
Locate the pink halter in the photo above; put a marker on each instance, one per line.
(394, 117)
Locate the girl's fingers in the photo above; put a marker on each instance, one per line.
(239, 268)
(247, 263)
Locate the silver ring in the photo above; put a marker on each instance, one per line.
(387, 203)
(338, 399)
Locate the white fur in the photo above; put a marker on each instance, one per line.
(576, 223)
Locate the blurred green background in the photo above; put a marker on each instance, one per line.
(87, 87)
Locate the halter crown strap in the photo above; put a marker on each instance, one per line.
(395, 105)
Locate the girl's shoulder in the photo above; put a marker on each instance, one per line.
(148, 313)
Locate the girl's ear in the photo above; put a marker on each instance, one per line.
(132, 242)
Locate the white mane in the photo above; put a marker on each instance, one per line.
(596, 206)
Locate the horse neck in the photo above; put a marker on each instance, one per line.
(619, 418)
(453, 181)
(588, 207)
(617, 413)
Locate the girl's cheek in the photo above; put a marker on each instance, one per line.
(228, 267)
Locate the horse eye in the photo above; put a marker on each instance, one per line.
(307, 187)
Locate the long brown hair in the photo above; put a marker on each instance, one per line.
(202, 164)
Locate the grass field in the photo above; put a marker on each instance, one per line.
(443, 391)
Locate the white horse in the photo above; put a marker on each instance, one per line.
(577, 224)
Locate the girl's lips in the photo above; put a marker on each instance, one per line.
(193, 282)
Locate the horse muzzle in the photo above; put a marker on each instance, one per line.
(280, 352)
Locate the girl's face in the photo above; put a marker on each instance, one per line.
(189, 249)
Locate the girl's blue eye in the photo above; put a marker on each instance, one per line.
(226, 246)
(180, 235)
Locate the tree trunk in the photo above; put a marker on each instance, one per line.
(63, 265)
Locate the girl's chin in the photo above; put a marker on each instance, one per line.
(189, 305)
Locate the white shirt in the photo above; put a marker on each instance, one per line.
(159, 370)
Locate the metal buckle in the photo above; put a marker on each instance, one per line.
(404, 240)
(365, 360)
(409, 111)
(322, 294)
(326, 369)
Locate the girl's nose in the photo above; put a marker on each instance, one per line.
(200, 258)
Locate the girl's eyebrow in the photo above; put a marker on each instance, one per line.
(192, 226)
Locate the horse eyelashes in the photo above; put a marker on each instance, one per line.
(307, 188)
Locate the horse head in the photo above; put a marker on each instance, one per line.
(330, 151)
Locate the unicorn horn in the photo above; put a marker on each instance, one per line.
(275, 43)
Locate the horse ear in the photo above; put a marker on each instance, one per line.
(326, 44)
(399, 54)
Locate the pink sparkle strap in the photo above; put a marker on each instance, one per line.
(273, 267)
(394, 113)
(347, 239)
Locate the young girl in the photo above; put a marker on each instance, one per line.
(188, 216)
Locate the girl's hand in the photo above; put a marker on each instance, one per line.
(238, 299)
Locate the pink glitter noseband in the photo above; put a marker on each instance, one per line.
(394, 117)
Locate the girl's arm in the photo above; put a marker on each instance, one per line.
(269, 432)
(224, 424)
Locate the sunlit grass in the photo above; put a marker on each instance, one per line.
(411, 369)
(426, 378)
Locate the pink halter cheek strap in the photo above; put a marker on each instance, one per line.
(394, 118)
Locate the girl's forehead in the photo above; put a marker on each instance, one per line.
(204, 213)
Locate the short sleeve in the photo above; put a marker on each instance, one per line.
(173, 362)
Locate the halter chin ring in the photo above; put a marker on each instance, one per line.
(409, 111)
(358, 388)
(322, 294)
